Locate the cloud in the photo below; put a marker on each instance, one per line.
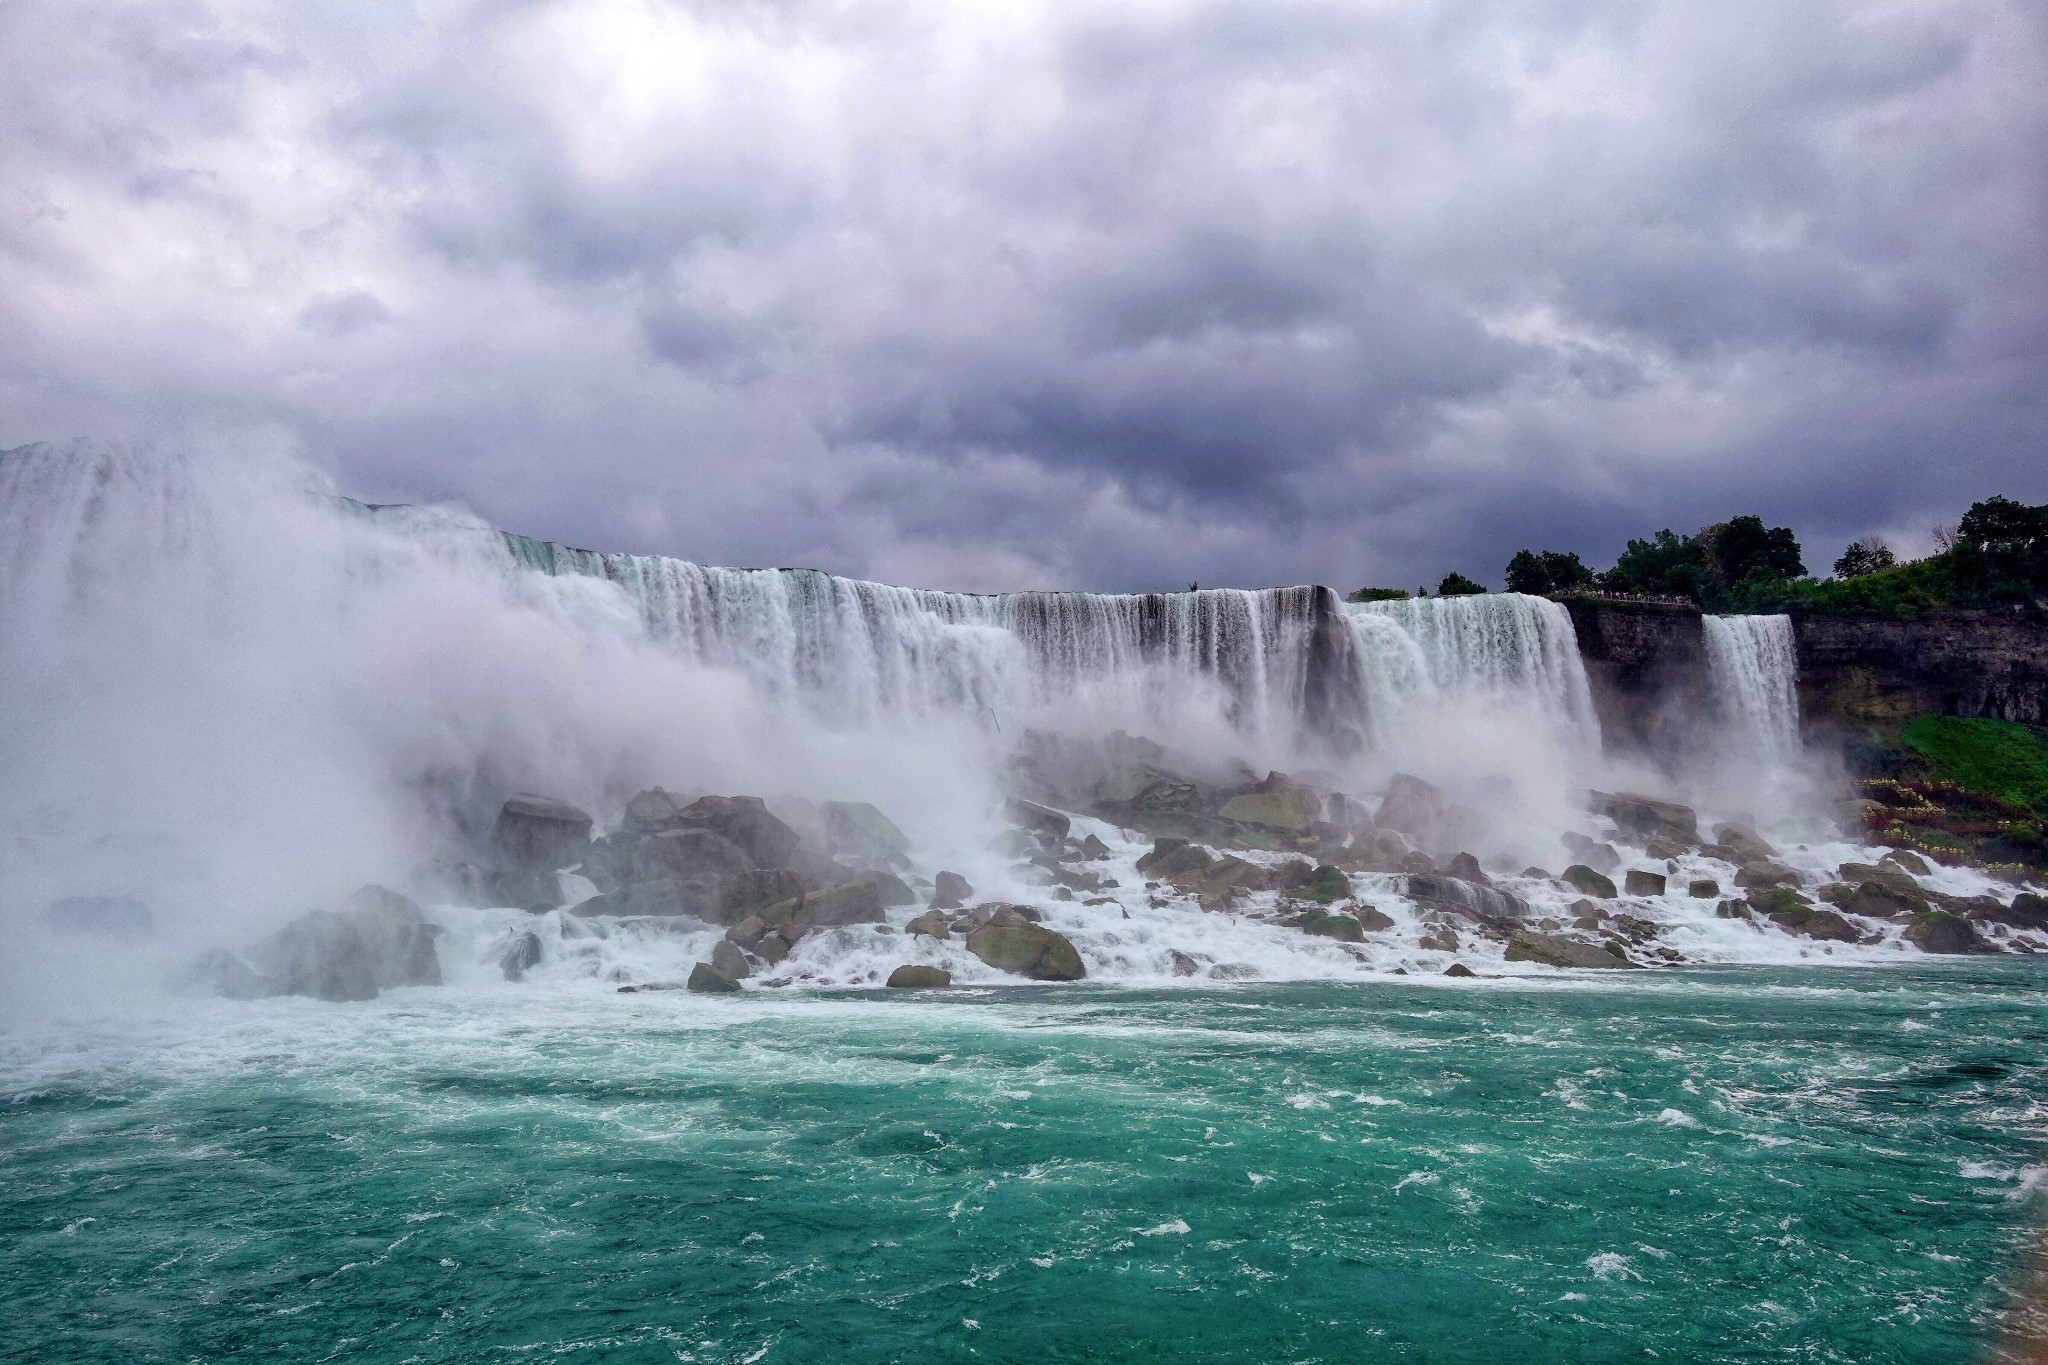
(1116, 296)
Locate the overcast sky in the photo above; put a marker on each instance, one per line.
(1112, 295)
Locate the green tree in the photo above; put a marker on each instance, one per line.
(1745, 550)
(1455, 584)
(1865, 557)
(1377, 595)
(1547, 571)
(1669, 565)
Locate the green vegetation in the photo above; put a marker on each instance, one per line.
(1547, 571)
(1995, 757)
(1378, 595)
(1455, 584)
(1866, 556)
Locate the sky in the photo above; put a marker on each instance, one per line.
(1119, 295)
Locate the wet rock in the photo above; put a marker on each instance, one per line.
(1323, 924)
(1415, 864)
(1732, 909)
(748, 892)
(1646, 815)
(1873, 900)
(1171, 855)
(1553, 951)
(1703, 888)
(697, 898)
(931, 924)
(1778, 900)
(1374, 919)
(113, 916)
(1458, 969)
(1466, 867)
(520, 955)
(1906, 861)
(708, 980)
(1039, 819)
(1292, 874)
(1326, 884)
(2027, 911)
(1747, 845)
(1639, 883)
(749, 932)
(539, 834)
(222, 973)
(1093, 849)
(1234, 971)
(1589, 882)
(893, 891)
(773, 947)
(1663, 848)
(1442, 939)
(1535, 874)
(1027, 949)
(683, 854)
(1465, 898)
(1279, 803)
(1181, 964)
(1016, 843)
(747, 822)
(1601, 857)
(730, 961)
(913, 976)
(379, 941)
(1940, 932)
(536, 892)
(860, 834)
(1415, 807)
(1764, 876)
(852, 903)
(1378, 850)
(950, 891)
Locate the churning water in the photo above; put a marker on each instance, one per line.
(1753, 675)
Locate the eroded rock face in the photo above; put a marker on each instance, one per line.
(539, 834)
(1029, 950)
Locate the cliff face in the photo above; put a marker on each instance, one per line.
(1647, 665)
(1858, 674)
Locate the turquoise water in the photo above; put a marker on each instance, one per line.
(1755, 1164)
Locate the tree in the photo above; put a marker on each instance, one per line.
(1455, 584)
(2000, 521)
(1378, 595)
(1746, 550)
(1548, 571)
(1668, 566)
(1865, 557)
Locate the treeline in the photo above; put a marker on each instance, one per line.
(1997, 554)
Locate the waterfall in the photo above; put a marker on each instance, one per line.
(1752, 675)
(1490, 648)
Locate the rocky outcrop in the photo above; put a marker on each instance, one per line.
(539, 834)
(706, 979)
(1857, 673)
(1013, 944)
(1646, 663)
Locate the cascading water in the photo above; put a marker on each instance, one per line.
(1501, 648)
(1753, 674)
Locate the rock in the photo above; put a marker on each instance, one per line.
(1442, 939)
(1279, 803)
(1016, 843)
(380, 940)
(1747, 845)
(1465, 898)
(917, 976)
(1819, 924)
(1093, 849)
(950, 891)
(536, 892)
(1459, 969)
(1181, 963)
(1028, 950)
(1323, 924)
(1467, 868)
(853, 903)
(1162, 849)
(708, 980)
(539, 834)
(729, 961)
(747, 892)
(1414, 807)
(747, 822)
(1873, 900)
(748, 932)
(1039, 819)
(1778, 900)
(1589, 882)
(1234, 971)
(219, 972)
(861, 834)
(1640, 883)
(1601, 857)
(1646, 815)
(773, 947)
(2027, 911)
(1763, 876)
(1703, 888)
(1553, 951)
(1376, 850)
(1937, 931)
(893, 890)
(1374, 919)
(522, 953)
(1732, 909)
(682, 854)
(112, 915)
(1416, 864)
(1906, 861)
(697, 898)
(931, 924)
(1664, 848)
(1892, 879)
(1327, 884)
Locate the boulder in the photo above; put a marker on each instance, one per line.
(917, 976)
(1378, 850)
(893, 890)
(1441, 939)
(651, 812)
(1326, 884)
(537, 891)
(1415, 807)
(950, 891)
(860, 834)
(1825, 925)
(749, 932)
(1646, 815)
(1171, 857)
(1416, 864)
(1373, 919)
(1039, 819)
(747, 892)
(380, 940)
(1874, 901)
(1937, 931)
(1279, 803)
(1589, 882)
(708, 980)
(1484, 903)
(1143, 795)
(1763, 876)
(1093, 849)
(773, 947)
(1466, 867)
(1553, 951)
(1323, 924)
(1703, 888)
(539, 834)
(1906, 861)
(219, 972)
(1028, 950)
(852, 903)
(111, 915)
(729, 961)
(1459, 969)
(931, 924)
(628, 857)
(1639, 883)
(521, 954)
(1778, 900)
(1747, 845)
(2027, 911)
(1732, 909)
(1601, 857)
(747, 822)
(1181, 964)
(697, 897)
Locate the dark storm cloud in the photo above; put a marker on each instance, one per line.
(1120, 295)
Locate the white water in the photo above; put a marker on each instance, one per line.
(1753, 677)
(1493, 648)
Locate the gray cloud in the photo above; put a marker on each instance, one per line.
(1102, 296)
